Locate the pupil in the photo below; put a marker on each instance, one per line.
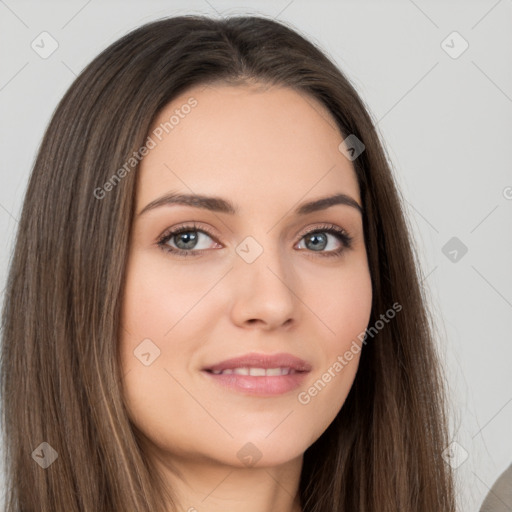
(189, 243)
(315, 238)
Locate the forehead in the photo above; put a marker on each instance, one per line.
(253, 142)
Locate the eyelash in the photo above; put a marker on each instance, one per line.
(340, 234)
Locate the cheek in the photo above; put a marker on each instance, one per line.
(155, 304)
(159, 337)
(159, 294)
(153, 364)
(343, 305)
(345, 310)
(349, 312)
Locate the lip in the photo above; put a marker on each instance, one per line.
(256, 360)
(260, 385)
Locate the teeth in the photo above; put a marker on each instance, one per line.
(256, 372)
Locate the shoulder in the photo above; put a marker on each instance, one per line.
(499, 498)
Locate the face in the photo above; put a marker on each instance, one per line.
(277, 285)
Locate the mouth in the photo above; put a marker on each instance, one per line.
(260, 374)
(256, 372)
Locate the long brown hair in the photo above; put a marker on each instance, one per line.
(61, 382)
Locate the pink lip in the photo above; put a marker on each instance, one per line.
(254, 360)
(261, 385)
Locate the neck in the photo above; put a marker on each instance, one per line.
(210, 485)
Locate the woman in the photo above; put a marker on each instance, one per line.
(213, 302)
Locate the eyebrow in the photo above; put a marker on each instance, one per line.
(218, 204)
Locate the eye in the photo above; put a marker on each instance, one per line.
(186, 238)
(317, 239)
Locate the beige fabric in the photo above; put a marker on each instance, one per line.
(499, 498)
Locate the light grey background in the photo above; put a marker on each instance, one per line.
(447, 126)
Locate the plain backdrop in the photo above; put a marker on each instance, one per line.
(436, 78)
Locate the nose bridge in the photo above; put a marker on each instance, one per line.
(263, 280)
(262, 258)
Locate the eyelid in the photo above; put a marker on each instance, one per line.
(322, 227)
(185, 227)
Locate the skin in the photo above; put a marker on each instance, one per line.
(267, 149)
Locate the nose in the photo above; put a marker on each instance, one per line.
(264, 294)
